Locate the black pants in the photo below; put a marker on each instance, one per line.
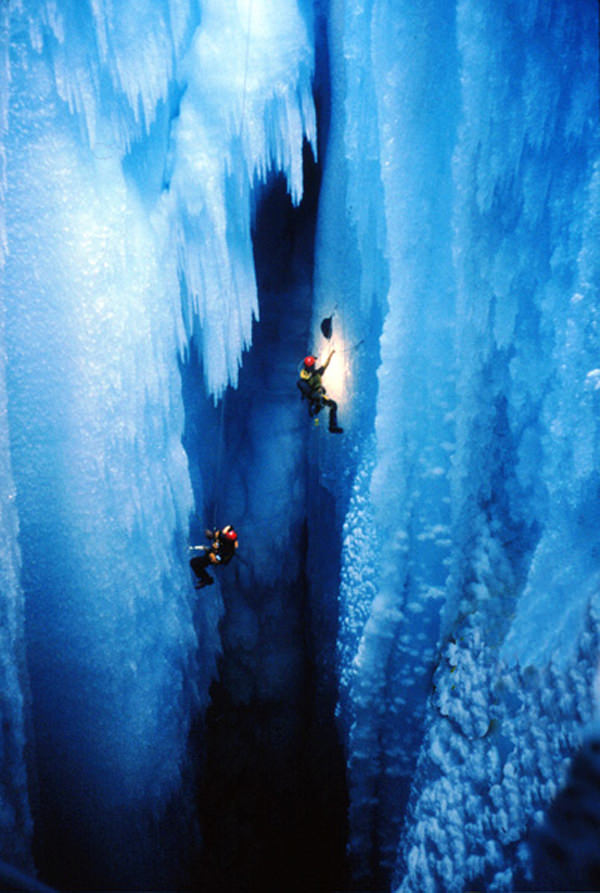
(316, 405)
(199, 565)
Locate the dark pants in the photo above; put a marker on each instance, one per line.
(316, 405)
(199, 565)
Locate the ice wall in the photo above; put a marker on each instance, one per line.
(473, 571)
(514, 684)
(102, 490)
(246, 110)
(456, 253)
(115, 175)
(15, 816)
(393, 126)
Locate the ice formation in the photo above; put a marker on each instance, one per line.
(115, 171)
(15, 824)
(465, 694)
(170, 240)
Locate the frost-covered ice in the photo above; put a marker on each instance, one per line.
(445, 548)
(15, 816)
(245, 111)
(103, 493)
(128, 156)
(468, 635)
(398, 523)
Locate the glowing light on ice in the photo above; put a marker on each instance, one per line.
(336, 377)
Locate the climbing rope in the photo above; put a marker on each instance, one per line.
(221, 421)
(220, 452)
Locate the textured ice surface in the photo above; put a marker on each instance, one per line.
(103, 491)
(457, 253)
(112, 65)
(468, 602)
(396, 531)
(133, 140)
(245, 111)
(4, 87)
(513, 687)
(15, 817)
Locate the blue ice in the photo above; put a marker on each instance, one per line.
(450, 538)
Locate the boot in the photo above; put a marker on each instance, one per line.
(334, 428)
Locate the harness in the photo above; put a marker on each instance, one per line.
(310, 383)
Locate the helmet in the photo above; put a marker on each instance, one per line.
(309, 362)
(229, 533)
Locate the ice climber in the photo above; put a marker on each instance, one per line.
(223, 544)
(311, 388)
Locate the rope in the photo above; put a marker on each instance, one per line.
(221, 423)
(220, 451)
(343, 352)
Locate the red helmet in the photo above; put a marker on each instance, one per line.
(309, 362)
(229, 534)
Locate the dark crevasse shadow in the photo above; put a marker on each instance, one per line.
(272, 794)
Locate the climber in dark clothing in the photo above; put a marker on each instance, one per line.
(223, 544)
(311, 387)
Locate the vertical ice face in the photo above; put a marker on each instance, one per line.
(15, 818)
(457, 256)
(103, 493)
(395, 131)
(479, 216)
(4, 91)
(239, 114)
(101, 226)
(350, 287)
(246, 110)
(112, 66)
(134, 136)
(563, 582)
(519, 645)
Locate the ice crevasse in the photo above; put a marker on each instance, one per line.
(456, 247)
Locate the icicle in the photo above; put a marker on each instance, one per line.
(245, 112)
